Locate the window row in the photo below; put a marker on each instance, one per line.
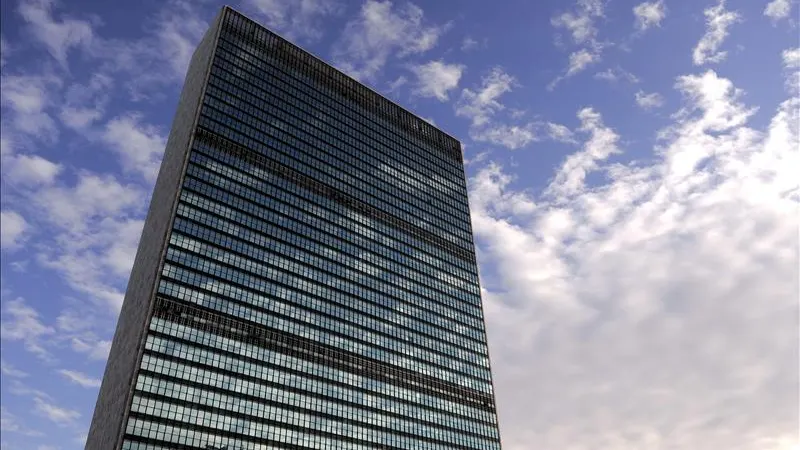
(273, 188)
(434, 367)
(387, 309)
(473, 354)
(232, 79)
(235, 77)
(361, 252)
(247, 200)
(276, 401)
(243, 227)
(250, 358)
(266, 73)
(201, 166)
(232, 356)
(358, 174)
(350, 94)
(262, 389)
(277, 135)
(437, 353)
(453, 322)
(348, 267)
(461, 341)
(367, 122)
(211, 127)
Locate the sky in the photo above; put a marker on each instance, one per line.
(633, 178)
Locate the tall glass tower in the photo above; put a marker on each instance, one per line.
(306, 277)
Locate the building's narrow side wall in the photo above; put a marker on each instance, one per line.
(112, 402)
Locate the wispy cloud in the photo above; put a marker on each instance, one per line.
(649, 14)
(649, 101)
(58, 35)
(580, 23)
(55, 413)
(482, 104)
(11, 371)
(80, 378)
(138, 144)
(12, 229)
(582, 29)
(615, 74)
(601, 144)
(580, 60)
(778, 9)
(718, 21)
(296, 20)
(436, 79)
(9, 423)
(560, 133)
(613, 286)
(380, 31)
(21, 322)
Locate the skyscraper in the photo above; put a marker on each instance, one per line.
(306, 276)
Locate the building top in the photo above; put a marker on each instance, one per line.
(366, 97)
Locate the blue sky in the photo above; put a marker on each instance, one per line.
(633, 184)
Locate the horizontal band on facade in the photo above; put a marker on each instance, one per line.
(339, 82)
(270, 403)
(263, 162)
(304, 348)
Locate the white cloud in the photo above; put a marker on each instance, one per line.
(30, 170)
(791, 65)
(638, 292)
(297, 20)
(58, 36)
(97, 225)
(718, 20)
(580, 60)
(26, 99)
(57, 414)
(487, 194)
(778, 9)
(85, 104)
(9, 423)
(649, 14)
(615, 74)
(468, 44)
(791, 58)
(581, 26)
(480, 105)
(649, 101)
(11, 371)
(179, 29)
(580, 23)
(140, 146)
(601, 144)
(80, 378)
(96, 349)
(93, 197)
(560, 133)
(397, 84)
(381, 31)
(480, 157)
(436, 79)
(12, 229)
(509, 136)
(21, 323)
(159, 56)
